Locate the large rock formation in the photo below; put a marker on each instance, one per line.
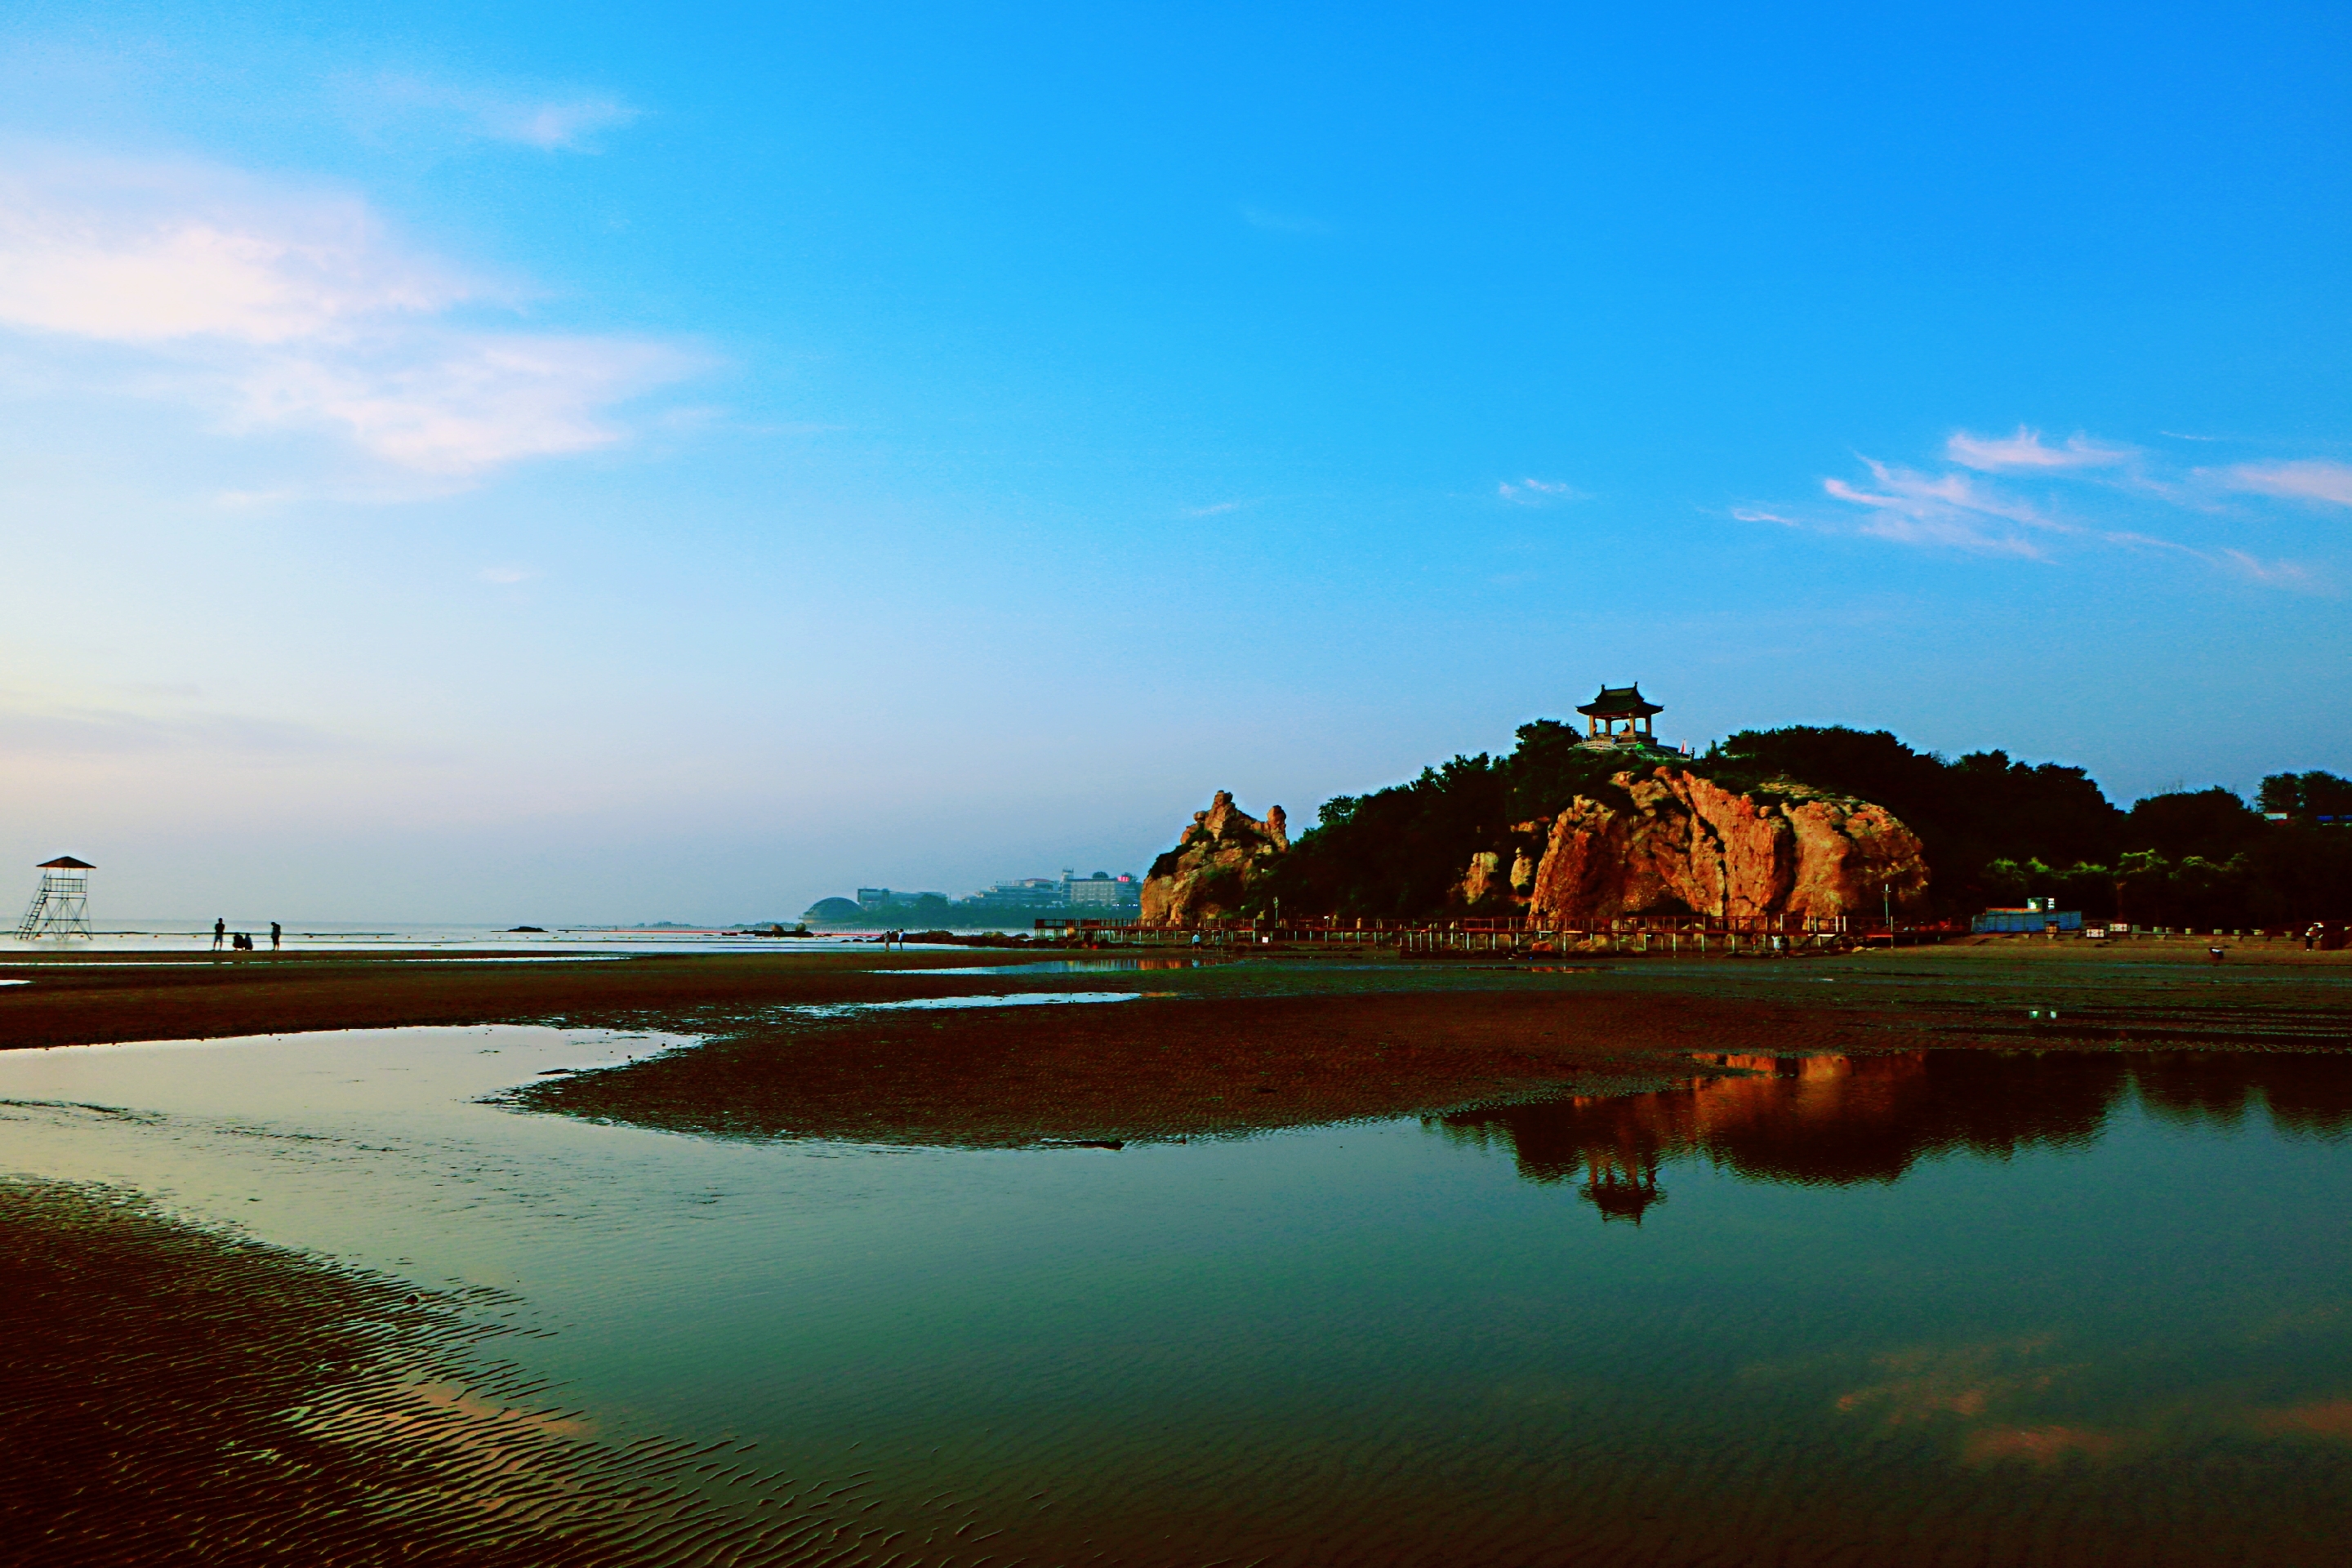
(1687, 844)
(1221, 854)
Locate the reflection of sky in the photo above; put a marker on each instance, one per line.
(1355, 1335)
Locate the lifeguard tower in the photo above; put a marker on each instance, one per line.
(60, 906)
(1620, 716)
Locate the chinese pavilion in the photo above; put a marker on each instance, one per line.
(1620, 716)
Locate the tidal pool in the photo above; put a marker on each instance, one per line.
(1930, 1307)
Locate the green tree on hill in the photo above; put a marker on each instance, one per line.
(2307, 794)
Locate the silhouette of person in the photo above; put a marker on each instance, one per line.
(275, 930)
(220, 933)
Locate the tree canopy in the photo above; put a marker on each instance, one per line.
(1994, 829)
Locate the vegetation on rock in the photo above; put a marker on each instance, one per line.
(1215, 864)
(1993, 830)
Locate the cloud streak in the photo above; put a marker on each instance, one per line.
(2312, 479)
(1537, 492)
(1282, 222)
(1977, 505)
(275, 310)
(550, 124)
(1950, 510)
(2026, 451)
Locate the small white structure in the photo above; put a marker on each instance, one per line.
(61, 906)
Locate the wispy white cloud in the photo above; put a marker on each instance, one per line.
(1978, 507)
(556, 123)
(35, 729)
(1537, 492)
(133, 253)
(507, 576)
(1217, 508)
(2027, 451)
(456, 403)
(2289, 575)
(278, 310)
(1282, 222)
(2314, 478)
(1950, 509)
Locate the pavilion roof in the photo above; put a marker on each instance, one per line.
(65, 863)
(1620, 702)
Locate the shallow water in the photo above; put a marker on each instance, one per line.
(197, 936)
(1923, 1308)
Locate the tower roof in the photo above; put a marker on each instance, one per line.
(1621, 702)
(65, 863)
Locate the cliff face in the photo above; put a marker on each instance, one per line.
(1689, 844)
(1221, 854)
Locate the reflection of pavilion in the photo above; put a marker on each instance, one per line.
(1621, 1183)
(1814, 1120)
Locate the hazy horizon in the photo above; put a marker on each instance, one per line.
(525, 465)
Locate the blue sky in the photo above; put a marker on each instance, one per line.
(577, 463)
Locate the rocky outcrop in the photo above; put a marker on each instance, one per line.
(1680, 843)
(1221, 854)
(1487, 886)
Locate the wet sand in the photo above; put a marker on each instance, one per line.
(1172, 1066)
(86, 1000)
(176, 1394)
(795, 1046)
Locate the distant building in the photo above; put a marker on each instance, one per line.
(873, 900)
(1104, 891)
(2038, 916)
(1021, 894)
(1101, 893)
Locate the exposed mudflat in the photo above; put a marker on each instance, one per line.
(1993, 1253)
(175, 1393)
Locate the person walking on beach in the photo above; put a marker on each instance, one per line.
(275, 930)
(220, 933)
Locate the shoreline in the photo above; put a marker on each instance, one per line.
(821, 1045)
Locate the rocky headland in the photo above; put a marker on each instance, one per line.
(1639, 835)
(1221, 855)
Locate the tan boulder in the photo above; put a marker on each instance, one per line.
(1689, 844)
(1485, 871)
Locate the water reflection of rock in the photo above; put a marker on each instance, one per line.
(1834, 1120)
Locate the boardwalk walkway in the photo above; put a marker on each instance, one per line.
(1631, 933)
